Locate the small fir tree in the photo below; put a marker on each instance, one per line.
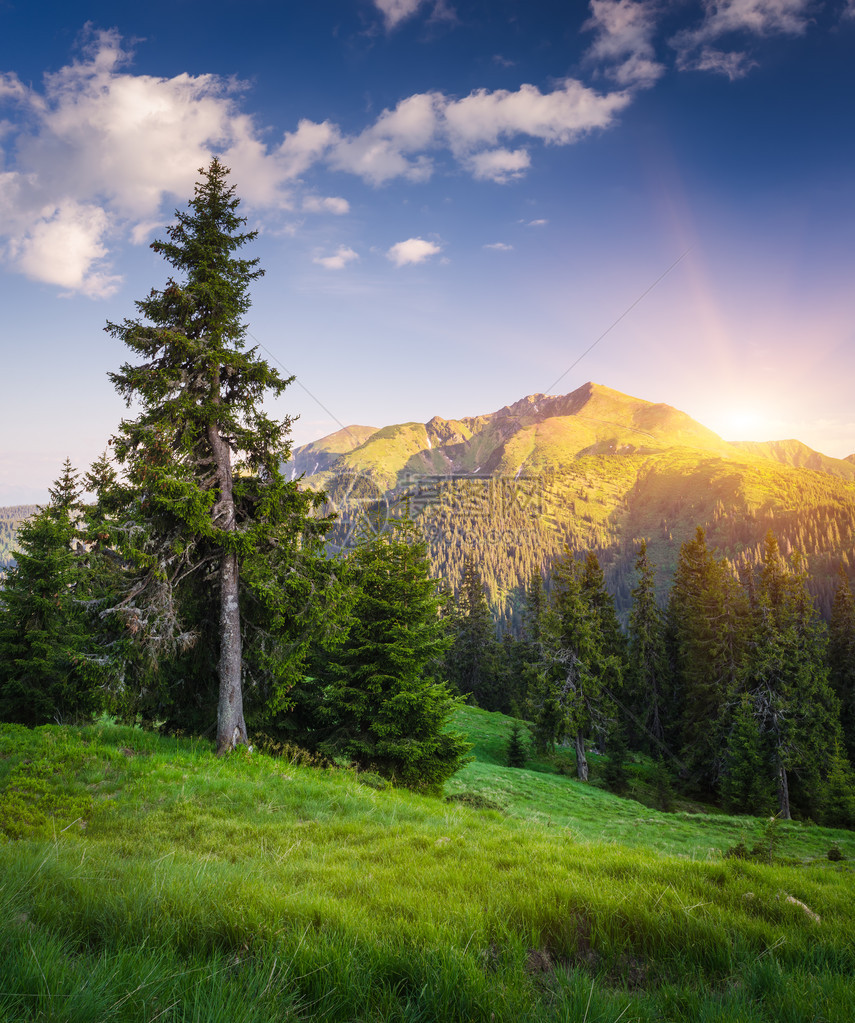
(516, 753)
(383, 706)
(746, 785)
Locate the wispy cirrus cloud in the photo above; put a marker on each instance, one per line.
(396, 11)
(697, 47)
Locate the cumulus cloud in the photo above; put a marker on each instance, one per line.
(500, 165)
(384, 150)
(329, 204)
(339, 260)
(65, 246)
(723, 18)
(623, 40)
(413, 250)
(499, 246)
(397, 144)
(560, 117)
(98, 150)
(98, 154)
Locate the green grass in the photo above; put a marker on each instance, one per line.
(143, 879)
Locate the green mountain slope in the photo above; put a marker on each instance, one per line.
(321, 454)
(794, 452)
(597, 470)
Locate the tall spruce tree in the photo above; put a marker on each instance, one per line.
(471, 658)
(841, 657)
(646, 687)
(707, 614)
(785, 676)
(204, 493)
(603, 605)
(582, 670)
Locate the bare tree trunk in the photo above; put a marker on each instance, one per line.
(231, 727)
(783, 793)
(581, 759)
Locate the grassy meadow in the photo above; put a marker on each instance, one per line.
(143, 879)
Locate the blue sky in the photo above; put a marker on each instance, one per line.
(456, 198)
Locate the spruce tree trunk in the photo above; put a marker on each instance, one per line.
(231, 727)
(783, 793)
(581, 759)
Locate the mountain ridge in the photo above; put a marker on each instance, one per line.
(593, 470)
(595, 419)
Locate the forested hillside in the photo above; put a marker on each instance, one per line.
(597, 471)
(9, 521)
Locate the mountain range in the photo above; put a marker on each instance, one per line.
(593, 470)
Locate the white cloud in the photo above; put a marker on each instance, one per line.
(500, 165)
(339, 260)
(302, 148)
(537, 223)
(99, 155)
(95, 153)
(849, 9)
(734, 64)
(65, 247)
(383, 150)
(472, 127)
(624, 40)
(328, 204)
(732, 17)
(558, 117)
(396, 11)
(498, 246)
(413, 250)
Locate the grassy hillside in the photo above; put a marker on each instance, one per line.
(143, 879)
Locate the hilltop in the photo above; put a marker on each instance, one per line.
(595, 470)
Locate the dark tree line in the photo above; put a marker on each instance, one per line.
(736, 684)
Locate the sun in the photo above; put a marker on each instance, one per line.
(742, 423)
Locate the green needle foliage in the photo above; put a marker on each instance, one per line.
(517, 753)
(45, 671)
(204, 492)
(382, 706)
